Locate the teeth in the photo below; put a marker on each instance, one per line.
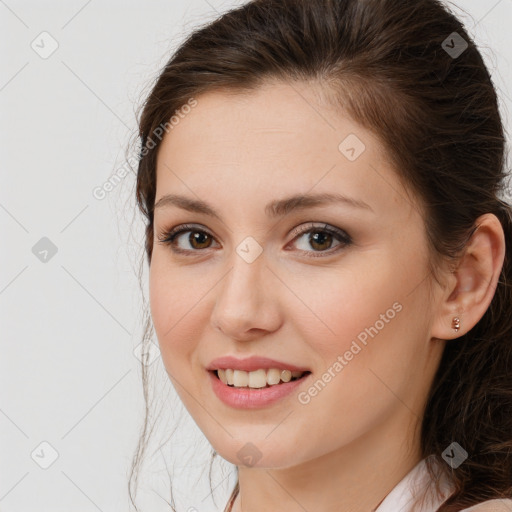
(273, 376)
(256, 379)
(222, 376)
(286, 375)
(240, 379)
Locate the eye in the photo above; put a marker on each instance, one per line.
(198, 238)
(321, 237)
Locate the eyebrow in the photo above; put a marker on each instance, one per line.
(274, 209)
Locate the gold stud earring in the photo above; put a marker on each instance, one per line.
(456, 324)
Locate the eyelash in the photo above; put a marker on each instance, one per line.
(168, 237)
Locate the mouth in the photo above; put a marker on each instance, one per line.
(258, 379)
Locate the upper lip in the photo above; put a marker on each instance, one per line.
(251, 364)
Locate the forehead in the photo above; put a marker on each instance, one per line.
(277, 140)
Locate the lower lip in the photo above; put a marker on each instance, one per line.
(249, 398)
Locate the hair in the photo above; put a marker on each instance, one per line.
(385, 64)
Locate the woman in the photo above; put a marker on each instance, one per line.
(330, 257)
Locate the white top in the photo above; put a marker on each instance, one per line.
(416, 482)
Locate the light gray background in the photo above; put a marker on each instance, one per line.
(69, 325)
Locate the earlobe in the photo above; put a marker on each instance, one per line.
(473, 283)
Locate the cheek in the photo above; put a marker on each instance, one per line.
(360, 321)
(177, 303)
(168, 297)
(346, 305)
(367, 329)
(160, 297)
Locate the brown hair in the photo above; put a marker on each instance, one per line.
(388, 64)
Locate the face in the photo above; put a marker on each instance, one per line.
(339, 288)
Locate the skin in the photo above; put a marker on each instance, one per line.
(356, 439)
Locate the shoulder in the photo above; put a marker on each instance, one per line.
(491, 506)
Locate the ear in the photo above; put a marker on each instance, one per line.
(472, 284)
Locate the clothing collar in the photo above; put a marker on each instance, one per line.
(413, 485)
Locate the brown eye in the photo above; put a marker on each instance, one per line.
(197, 239)
(321, 239)
(200, 238)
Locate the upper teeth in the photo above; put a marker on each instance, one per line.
(256, 379)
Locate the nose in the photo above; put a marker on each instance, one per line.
(246, 305)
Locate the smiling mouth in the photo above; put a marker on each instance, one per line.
(259, 379)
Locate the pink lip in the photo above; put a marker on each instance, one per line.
(246, 398)
(251, 364)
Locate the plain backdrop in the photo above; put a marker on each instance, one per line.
(72, 75)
